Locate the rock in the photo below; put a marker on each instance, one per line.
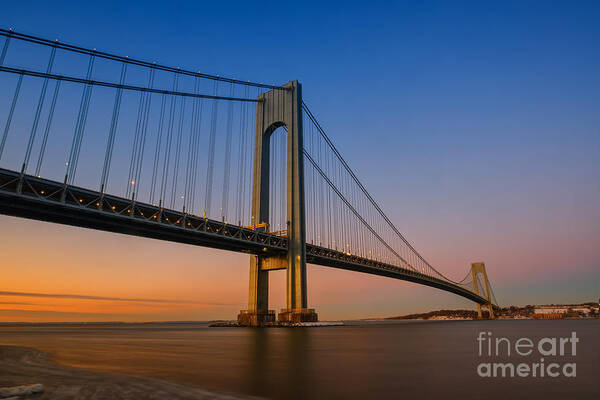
(25, 390)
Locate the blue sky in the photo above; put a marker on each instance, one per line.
(474, 124)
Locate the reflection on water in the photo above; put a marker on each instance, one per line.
(359, 360)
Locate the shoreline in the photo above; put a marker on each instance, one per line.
(25, 366)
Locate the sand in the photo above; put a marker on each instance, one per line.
(23, 366)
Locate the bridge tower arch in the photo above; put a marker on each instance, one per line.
(479, 268)
(275, 109)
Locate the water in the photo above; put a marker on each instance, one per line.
(424, 359)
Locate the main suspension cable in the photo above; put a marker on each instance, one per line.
(78, 49)
(364, 191)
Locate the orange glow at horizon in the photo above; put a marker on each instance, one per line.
(50, 271)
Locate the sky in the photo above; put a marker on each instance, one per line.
(475, 125)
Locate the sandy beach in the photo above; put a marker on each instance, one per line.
(20, 366)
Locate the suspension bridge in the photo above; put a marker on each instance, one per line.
(113, 143)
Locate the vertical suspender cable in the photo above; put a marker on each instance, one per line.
(136, 140)
(178, 152)
(247, 162)
(227, 166)
(134, 147)
(242, 149)
(274, 203)
(279, 159)
(191, 152)
(157, 149)
(112, 131)
(167, 159)
(329, 207)
(10, 114)
(282, 177)
(139, 137)
(140, 154)
(5, 48)
(250, 166)
(15, 96)
(196, 159)
(79, 126)
(315, 229)
(38, 111)
(271, 180)
(211, 154)
(38, 166)
(81, 132)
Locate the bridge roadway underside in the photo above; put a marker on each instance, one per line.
(45, 200)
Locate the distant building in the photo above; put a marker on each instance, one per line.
(550, 310)
(564, 309)
(585, 309)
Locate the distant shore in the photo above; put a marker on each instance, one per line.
(22, 366)
(512, 312)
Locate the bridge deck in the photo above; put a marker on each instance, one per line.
(30, 197)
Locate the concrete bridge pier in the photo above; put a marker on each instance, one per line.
(258, 312)
(275, 109)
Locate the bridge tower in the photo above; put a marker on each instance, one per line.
(275, 109)
(479, 268)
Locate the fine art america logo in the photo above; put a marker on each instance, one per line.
(547, 352)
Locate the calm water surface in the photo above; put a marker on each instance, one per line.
(428, 359)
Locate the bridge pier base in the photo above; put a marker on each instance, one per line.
(255, 318)
(258, 312)
(297, 315)
(490, 309)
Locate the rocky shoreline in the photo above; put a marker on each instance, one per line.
(25, 366)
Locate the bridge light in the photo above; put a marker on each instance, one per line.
(133, 182)
(42, 192)
(66, 163)
(113, 207)
(97, 204)
(81, 200)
